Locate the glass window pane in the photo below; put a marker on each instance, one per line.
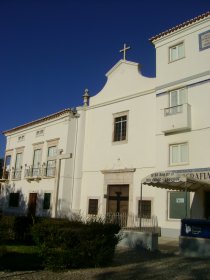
(174, 154)
(37, 158)
(120, 128)
(173, 53)
(181, 50)
(8, 162)
(173, 98)
(182, 96)
(18, 162)
(52, 151)
(183, 153)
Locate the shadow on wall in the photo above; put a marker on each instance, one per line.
(12, 201)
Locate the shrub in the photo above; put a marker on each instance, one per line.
(74, 244)
(16, 229)
(6, 228)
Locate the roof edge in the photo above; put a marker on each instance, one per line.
(179, 26)
(40, 120)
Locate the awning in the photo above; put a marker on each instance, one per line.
(181, 180)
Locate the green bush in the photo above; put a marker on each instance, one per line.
(74, 244)
(15, 229)
(7, 228)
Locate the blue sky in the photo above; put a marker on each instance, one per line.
(51, 50)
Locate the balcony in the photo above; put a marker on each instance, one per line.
(176, 118)
(16, 174)
(38, 173)
(33, 173)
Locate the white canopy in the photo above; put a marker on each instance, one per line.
(182, 180)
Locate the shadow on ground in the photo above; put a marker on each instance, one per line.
(131, 264)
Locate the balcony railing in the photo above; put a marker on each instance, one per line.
(176, 118)
(38, 173)
(33, 172)
(49, 172)
(173, 110)
(16, 174)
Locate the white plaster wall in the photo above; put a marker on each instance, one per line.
(195, 61)
(63, 129)
(123, 80)
(100, 152)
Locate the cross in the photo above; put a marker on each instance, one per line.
(124, 50)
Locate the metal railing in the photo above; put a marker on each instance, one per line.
(134, 222)
(39, 172)
(49, 172)
(173, 110)
(32, 172)
(16, 174)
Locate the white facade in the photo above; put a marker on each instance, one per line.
(40, 166)
(167, 128)
(135, 126)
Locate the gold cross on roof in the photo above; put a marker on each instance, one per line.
(124, 50)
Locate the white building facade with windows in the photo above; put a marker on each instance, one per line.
(128, 149)
(40, 166)
(139, 127)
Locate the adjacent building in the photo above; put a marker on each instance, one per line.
(39, 168)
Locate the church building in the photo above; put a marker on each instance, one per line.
(139, 149)
(147, 140)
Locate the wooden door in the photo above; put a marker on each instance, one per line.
(32, 204)
(118, 197)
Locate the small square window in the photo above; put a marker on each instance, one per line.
(14, 199)
(21, 138)
(145, 209)
(46, 202)
(178, 153)
(176, 52)
(93, 207)
(40, 132)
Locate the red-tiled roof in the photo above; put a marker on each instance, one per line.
(49, 117)
(177, 27)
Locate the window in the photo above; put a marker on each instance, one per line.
(36, 162)
(7, 162)
(18, 166)
(176, 52)
(177, 98)
(177, 205)
(46, 202)
(40, 132)
(21, 138)
(14, 199)
(93, 206)
(120, 127)
(18, 162)
(145, 208)
(51, 162)
(178, 153)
